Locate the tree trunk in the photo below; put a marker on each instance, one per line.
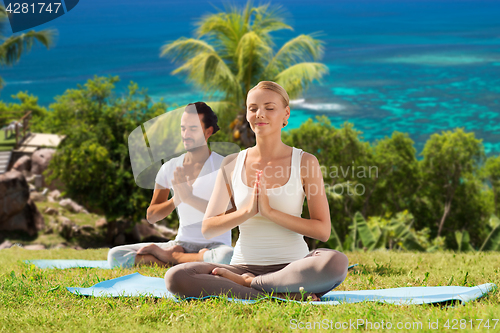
(447, 207)
(243, 132)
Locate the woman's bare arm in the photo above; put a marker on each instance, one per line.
(319, 225)
(221, 214)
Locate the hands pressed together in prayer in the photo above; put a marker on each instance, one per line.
(259, 201)
(183, 189)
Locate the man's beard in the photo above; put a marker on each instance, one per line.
(193, 146)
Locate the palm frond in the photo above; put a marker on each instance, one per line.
(268, 19)
(252, 53)
(299, 49)
(297, 78)
(210, 73)
(183, 48)
(3, 13)
(12, 48)
(215, 25)
(234, 51)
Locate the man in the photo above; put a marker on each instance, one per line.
(192, 177)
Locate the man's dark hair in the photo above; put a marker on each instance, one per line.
(209, 116)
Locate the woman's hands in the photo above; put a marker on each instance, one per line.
(263, 200)
(252, 206)
(259, 201)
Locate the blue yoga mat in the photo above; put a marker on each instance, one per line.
(69, 263)
(77, 263)
(139, 285)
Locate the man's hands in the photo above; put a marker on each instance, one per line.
(183, 190)
(259, 201)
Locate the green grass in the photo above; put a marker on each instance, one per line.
(78, 218)
(33, 299)
(7, 144)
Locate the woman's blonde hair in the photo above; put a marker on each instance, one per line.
(270, 85)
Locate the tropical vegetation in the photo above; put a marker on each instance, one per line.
(234, 50)
(12, 48)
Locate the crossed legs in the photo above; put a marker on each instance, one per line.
(152, 254)
(319, 272)
(168, 254)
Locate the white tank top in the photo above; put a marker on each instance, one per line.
(261, 241)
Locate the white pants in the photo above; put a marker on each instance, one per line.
(124, 255)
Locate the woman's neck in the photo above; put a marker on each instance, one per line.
(269, 147)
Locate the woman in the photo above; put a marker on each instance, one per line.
(266, 194)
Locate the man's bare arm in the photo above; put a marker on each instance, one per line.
(197, 203)
(160, 206)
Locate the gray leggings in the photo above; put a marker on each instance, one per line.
(319, 272)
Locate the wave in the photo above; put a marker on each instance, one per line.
(301, 103)
(18, 82)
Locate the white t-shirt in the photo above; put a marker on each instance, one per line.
(190, 218)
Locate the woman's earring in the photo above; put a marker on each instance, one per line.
(285, 122)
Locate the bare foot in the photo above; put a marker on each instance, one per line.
(148, 249)
(165, 255)
(243, 279)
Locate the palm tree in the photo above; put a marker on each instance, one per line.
(233, 51)
(12, 47)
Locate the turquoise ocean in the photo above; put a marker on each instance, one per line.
(419, 67)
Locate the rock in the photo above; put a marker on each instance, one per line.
(65, 227)
(75, 230)
(143, 230)
(87, 228)
(35, 247)
(101, 223)
(31, 179)
(53, 224)
(26, 174)
(51, 211)
(63, 219)
(37, 216)
(38, 182)
(5, 245)
(40, 160)
(23, 164)
(61, 246)
(55, 194)
(165, 232)
(14, 193)
(119, 240)
(31, 187)
(78, 247)
(39, 163)
(17, 211)
(37, 196)
(71, 206)
(50, 199)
